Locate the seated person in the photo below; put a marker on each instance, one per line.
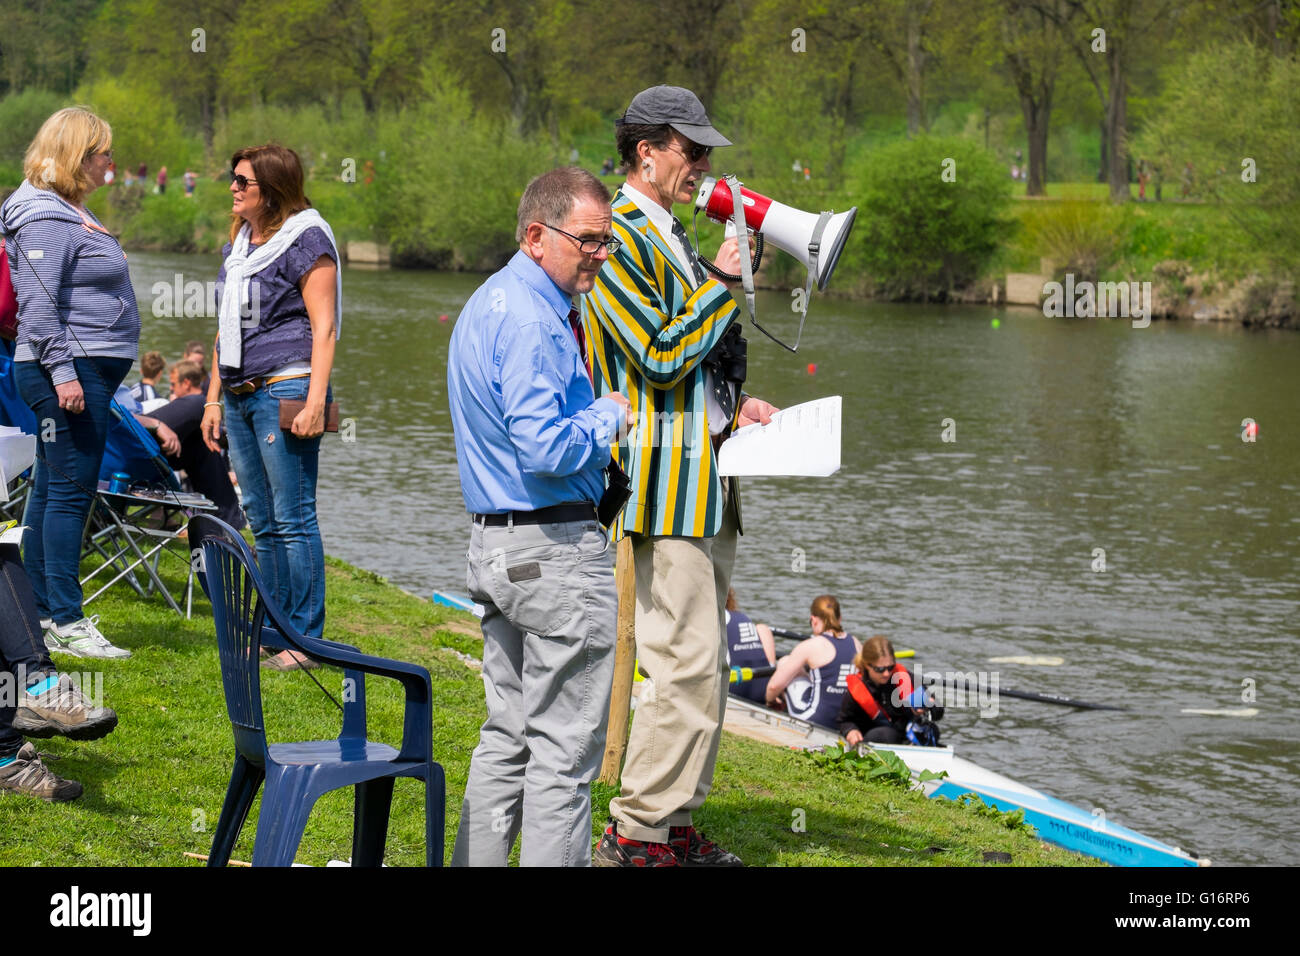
(748, 645)
(196, 352)
(179, 421)
(35, 699)
(882, 705)
(813, 675)
(151, 366)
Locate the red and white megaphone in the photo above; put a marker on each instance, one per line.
(814, 239)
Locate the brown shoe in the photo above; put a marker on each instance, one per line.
(290, 661)
(62, 709)
(31, 778)
(692, 848)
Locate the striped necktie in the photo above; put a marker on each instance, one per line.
(692, 261)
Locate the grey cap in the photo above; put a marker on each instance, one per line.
(679, 108)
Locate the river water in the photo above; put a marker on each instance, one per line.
(1070, 438)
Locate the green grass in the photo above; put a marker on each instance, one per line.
(1205, 235)
(154, 787)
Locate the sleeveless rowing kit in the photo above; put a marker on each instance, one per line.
(816, 698)
(745, 649)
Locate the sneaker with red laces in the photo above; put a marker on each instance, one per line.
(614, 850)
(693, 848)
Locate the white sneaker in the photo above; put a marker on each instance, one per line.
(50, 643)
(82, 639)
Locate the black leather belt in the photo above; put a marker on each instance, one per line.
(555, 514)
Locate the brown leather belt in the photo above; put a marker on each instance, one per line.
(253, 384)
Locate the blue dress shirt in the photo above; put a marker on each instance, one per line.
(530, 432)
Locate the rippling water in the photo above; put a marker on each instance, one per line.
(1071, 436)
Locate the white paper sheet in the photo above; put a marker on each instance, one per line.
(17, 452)
(800, 440)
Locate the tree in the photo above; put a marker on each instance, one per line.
(1033, 45)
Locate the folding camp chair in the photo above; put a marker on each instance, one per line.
(15, 414)
(297, 774)
(132, 529)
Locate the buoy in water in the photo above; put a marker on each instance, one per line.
(812, 368)
(996, 323)
(1252, 430)
(443, 317)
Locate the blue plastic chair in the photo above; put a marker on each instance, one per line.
(297, 774)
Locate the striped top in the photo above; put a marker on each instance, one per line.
(74, 292)
(647, 333)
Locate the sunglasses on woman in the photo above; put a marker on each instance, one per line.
(881, 670)
(241, 181)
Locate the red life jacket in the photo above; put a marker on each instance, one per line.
(899, 677)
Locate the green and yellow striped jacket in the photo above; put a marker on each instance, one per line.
(647, 333)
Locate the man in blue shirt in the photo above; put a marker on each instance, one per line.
(532, 442)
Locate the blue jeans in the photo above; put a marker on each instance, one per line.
(277, 476)
(69, 451)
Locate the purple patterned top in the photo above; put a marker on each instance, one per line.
(283, 331)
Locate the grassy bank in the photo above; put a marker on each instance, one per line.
(154, 787)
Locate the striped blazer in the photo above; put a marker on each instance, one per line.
(647, 333)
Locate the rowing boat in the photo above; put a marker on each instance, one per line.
(1054, 820)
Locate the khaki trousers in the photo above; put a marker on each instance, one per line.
(681, 596)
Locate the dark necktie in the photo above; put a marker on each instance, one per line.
(692, 261)
(576, 325)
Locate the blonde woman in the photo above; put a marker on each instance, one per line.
(78, 335)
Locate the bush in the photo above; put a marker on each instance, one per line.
(917, 234)
(1079, 236)
(449, 180)
(21, 115)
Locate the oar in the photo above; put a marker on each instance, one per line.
(1030, 695)
(795, 635)
(741, 674)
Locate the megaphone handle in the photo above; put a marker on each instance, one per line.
(755, 261)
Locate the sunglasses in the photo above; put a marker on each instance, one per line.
(881, 670)
(693, 152)
(241, 181)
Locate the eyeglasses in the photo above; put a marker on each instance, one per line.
(881, 670)
(590, 247)
(693, 153)
(241, 181)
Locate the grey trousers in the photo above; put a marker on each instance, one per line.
(548, 664)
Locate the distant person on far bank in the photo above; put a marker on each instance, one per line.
(162, 180)
(532, 444)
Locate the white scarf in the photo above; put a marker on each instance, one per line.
(241, 267)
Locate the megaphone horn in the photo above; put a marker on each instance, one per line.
(790, 230)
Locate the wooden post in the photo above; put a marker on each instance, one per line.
(620, 701)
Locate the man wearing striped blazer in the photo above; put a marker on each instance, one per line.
(661, 333)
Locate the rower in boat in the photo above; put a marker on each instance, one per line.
(883, 705)
(749, 645)
(812, 679)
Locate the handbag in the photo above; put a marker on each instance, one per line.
(290, 407)
(8, 299)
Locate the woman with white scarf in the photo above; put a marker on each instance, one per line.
(280, 315)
